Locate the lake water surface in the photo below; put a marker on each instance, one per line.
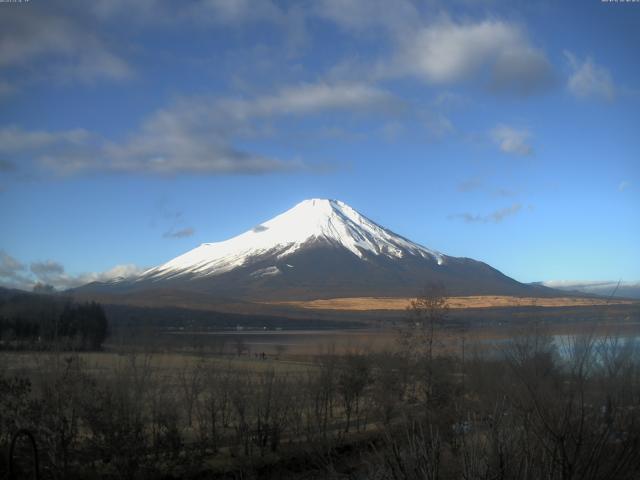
(312, 342)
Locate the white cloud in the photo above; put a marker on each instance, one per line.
(62, 281)
(312, 98)
(512, 140)
(64, 49)
(288, 20)
(360, 15)
(589, 79)
(163, 145)
(14, 139)
(160, 12)
(128, 270)
(497, 52)
(194, 135)
(46, 268)
(108, 9)
(236, 11)
(446, 52)
(494, 53)
(14, 274)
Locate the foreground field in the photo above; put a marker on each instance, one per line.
(485, 301)
(193, 413)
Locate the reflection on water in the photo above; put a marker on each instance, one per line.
(565, 346)
(298, 342)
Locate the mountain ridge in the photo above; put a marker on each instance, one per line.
(318, 249)
(311, 220)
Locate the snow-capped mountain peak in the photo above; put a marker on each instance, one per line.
(310, 221)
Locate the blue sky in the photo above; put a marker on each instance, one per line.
(501, 131)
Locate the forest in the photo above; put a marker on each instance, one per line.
(40, 321)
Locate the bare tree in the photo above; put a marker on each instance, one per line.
(190, 379)
(412, 454)
(353, 377)
(427, 314)
(428, 311)
(387, 387)
(271, 404)
(213, 411)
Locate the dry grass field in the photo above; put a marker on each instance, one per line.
(196, 412)
(167, 364)
(487, 301)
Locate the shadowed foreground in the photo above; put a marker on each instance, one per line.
(533, 408)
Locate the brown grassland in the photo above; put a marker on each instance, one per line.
(485, 301)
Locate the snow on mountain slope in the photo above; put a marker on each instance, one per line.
(312, 220)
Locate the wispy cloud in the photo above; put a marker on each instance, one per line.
(478, 184)
(69, 38)
(7, 166)
(46, 268)
(65, 50)
(505, 192)
(182, 233)
(151, 13)
(470, 185)
(197, 135)
(15, 139)
(438, 125)
(512, 140)
(63, 281)
(14, 273)
(494, 217)
(194, 135)
(288, 18)
(589, 79)
(449, 100)
(622, 186)
(361, 15)
(312, 98)
(6, 88)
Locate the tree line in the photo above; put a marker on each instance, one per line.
(41, 321)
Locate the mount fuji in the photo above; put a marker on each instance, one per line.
(317, 249)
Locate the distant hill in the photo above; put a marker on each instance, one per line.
(602, 288)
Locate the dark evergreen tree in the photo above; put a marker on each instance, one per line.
(38, 319)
